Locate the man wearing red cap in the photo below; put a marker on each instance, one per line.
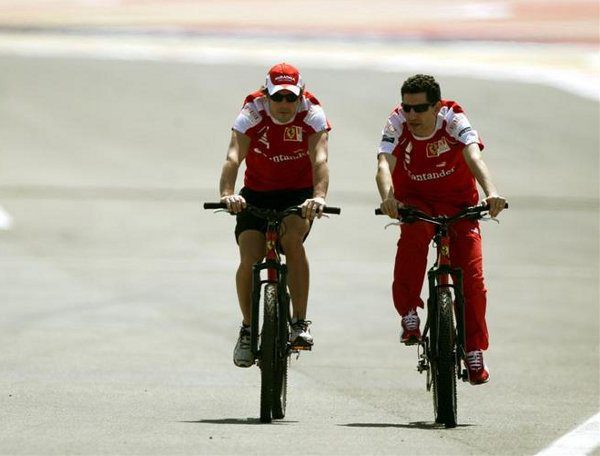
(282, 133)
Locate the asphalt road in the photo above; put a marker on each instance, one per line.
(118, 304)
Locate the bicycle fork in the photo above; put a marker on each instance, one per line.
(438, 278)
(276, 274)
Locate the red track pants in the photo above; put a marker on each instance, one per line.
(465, 253)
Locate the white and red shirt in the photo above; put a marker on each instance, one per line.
(432, 169)
(278, 157)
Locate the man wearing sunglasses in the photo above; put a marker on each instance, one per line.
(430, 158)
(281, 133)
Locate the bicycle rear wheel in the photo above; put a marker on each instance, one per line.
(268, 353)
(444, 364)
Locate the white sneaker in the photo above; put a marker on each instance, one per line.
(411, 334)
(242, 354)
(300, 335)
(478, 371)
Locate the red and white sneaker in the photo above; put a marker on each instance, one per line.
(478, 371)
(411, 333)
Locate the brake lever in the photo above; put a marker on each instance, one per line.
(487, 218)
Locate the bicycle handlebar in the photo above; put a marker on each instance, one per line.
(326, 209)
(410, 215)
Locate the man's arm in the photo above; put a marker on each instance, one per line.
(318, 152)
(385, 167)
(236, 153)
(475, 162)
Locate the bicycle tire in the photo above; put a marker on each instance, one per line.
(280, 391)
(444, 364)
(268, 353)
(282, 361)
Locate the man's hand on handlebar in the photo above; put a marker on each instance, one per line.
(389, 206)
(235, 203)
(313, 207)
(495, 203)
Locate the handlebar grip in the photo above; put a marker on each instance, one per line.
(218, 205)
(401, 210)
(485, 206)
(332, 210)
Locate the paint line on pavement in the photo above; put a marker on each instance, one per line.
(581, 441)
(6, 220)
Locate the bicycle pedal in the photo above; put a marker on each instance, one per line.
(465, 375)
(422, 367)
(301, 347)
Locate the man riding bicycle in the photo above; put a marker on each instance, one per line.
(430, 158)
(282, 133)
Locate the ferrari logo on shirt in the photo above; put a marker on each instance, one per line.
(435, 149)
(293, 133)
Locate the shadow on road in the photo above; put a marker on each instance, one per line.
(247, 421)
(412, 425)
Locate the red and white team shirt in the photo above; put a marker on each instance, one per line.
(432, 169)
(278, 157)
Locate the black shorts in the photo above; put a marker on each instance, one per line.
(278, 200)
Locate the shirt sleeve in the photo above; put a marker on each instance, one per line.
(248, 117)
(459, 127)
(316, 119)
(390, 134)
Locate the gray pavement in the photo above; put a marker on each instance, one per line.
(118, 301)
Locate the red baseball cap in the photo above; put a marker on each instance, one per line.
(284, 76)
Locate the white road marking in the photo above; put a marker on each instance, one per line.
(481, 10)
(581, 441)
(6, 220)
(570, 68)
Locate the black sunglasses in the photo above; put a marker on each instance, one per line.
(420, 108)
(279, 97)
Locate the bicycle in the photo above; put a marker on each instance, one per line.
(274, 349)
(442, 348)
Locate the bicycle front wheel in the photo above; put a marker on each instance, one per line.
(444, 363)
(280, 391)
(281, 363)
(268, 353)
